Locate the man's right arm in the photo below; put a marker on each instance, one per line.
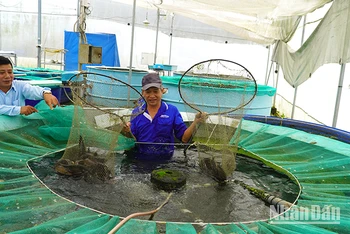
(10, 110)
(126, 131)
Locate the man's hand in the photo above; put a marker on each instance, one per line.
(51, 100)
(126, 131)
(27, 110)
(201, 117)
(126, 127)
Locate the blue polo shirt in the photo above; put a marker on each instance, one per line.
(155, 137)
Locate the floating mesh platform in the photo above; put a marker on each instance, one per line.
(320, 164)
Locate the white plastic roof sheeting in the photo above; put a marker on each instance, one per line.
(329, 43)
(269, 21)
(274, 21)
(263, 22)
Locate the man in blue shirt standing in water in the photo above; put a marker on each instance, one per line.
(154, 130)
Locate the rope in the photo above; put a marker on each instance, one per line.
(152, 212)
(318, 121)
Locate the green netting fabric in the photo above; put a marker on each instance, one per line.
(321, 166)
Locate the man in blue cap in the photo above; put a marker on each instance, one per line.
(154, 130)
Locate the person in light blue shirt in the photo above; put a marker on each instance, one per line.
(13, 93)
(156, 128)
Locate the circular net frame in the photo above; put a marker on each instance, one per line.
(97, 123)
(220, 88)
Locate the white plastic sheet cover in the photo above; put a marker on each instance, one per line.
(260, 21)
(329, 43)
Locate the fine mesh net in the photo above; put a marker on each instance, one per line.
(216, 143)
(34, 198)
(220, 88)
(319, 163)
(217, 86)
(94, 136)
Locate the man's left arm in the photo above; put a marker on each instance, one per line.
(200, 117)
(39, 93)
(50, 99)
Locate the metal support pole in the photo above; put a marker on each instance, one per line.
(39, 34)
(156, 46)
(294, 101)
(267, 65)
(132, 46)
(278, 72)
(80, 10)
(44, 59)
(0, 32)
(337, 102)
(171, 37)
(268, 76)
(296, 88)
(78, 20)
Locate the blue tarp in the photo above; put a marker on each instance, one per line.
(108, 42)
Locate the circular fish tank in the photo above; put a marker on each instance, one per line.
(35, 199)
(201, 199)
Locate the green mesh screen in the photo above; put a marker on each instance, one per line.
(221, 89)
(320, 164)
(94, 133)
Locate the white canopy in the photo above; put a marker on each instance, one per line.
(329, 43)
(263, 22)
(270, 22)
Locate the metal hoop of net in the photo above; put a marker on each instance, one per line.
(105, 93)
(221, 88)
(102, 106)
(230, 86)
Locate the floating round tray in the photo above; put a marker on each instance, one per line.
(167, 179)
